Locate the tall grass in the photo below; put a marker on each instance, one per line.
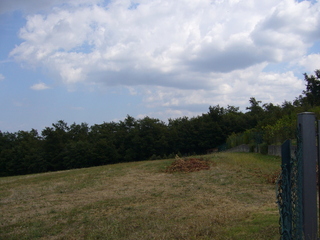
(234, 199)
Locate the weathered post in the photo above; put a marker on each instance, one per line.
(306, 124)
(286, 210)
(318, 165)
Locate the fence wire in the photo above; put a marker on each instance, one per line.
(289, 195)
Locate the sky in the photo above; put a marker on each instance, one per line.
(95, 61)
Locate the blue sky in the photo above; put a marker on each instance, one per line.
(96, 61)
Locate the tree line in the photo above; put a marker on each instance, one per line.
(63, 146)
(282, 122)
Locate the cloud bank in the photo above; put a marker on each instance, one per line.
(174, 53)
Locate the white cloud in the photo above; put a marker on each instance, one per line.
(234, 88)
(132, 91)
(170, 113)
(1, 77)
(186, 52)
(288, 30)
(39, 86)
(310, 62)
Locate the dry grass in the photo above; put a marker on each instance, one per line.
(232, 200)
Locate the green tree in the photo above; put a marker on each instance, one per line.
(255, 113)
(152, 138)
(55, 140)
(105, 143)
(234, 121)
(284, 128)
(21, 153)
(182, 134)
(7, 160)
(127, 139)
(312, 91)
(78, 132)
(210, 132)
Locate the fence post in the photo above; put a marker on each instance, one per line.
(318, 164)
(306, 123)
(286, 210)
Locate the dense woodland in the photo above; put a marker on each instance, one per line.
(65, 146)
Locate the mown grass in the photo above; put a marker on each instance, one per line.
(234, 199)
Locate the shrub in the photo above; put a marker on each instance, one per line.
(264, 148)
(252, 147)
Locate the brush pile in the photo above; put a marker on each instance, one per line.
(188, 165)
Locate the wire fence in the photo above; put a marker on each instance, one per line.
(289, 192)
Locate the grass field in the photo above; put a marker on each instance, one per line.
(234, 199)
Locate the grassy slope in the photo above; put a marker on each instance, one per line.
(232, 200)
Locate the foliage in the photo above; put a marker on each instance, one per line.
(283, 129)
(264, 148)
(250, 136)
(312, 91)
(64, 146)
